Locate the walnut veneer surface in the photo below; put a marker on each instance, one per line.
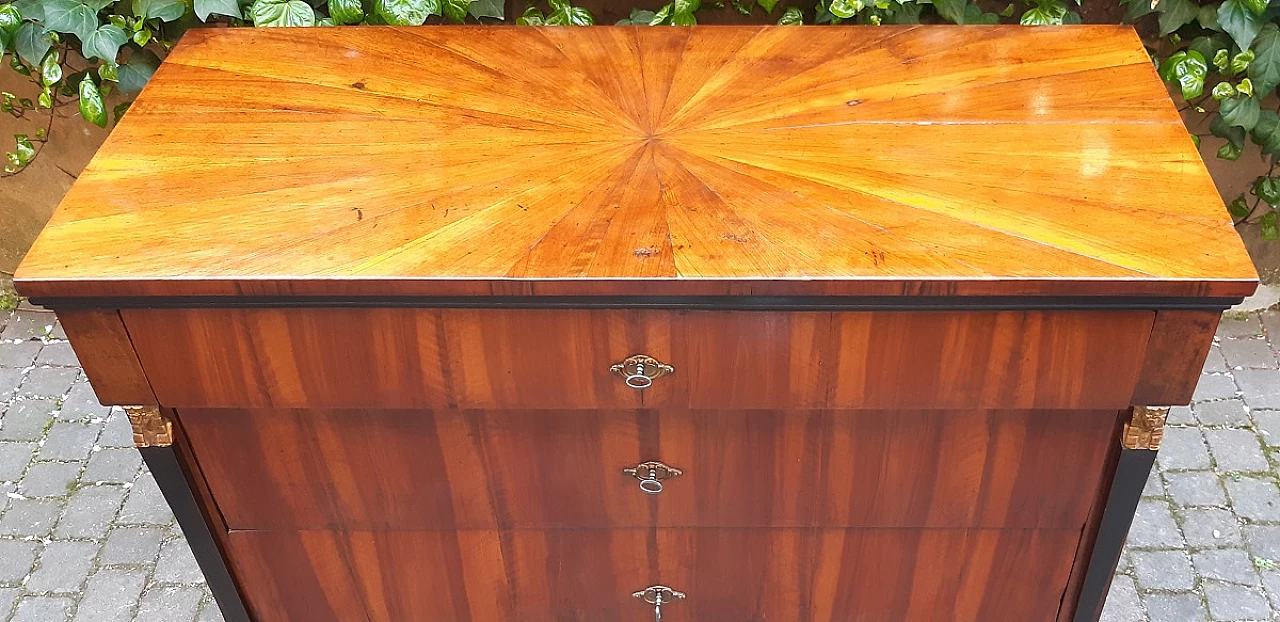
(902, 286)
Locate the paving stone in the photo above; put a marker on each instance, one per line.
(116, 431)
(1260, 387)
(114, 465)
(1228, 603)
(1229, 565)
(132, 545)
(1153, 526)
(49, 381)
(177, 564)
(1230, 412)
(26, 420)
(1181, 415)
(1163, 570)
(1154, 486)
(90, 512)
(1271, 586)
(43, 609)
(146, 504)
(1263, 541)
(63, 566)
(1215, 362)
(58, 354)
(1236, 450)
(1205, 527)
(27, 324)
(1254, 498)
(14, 458)
(1183, 448)
(1267, 422)
(1214, 387)
(30, 517)
(211, 613)
(1192, 488)
(1249, 353)
(70, 441)
(170, 604)
(10, 378)
(1231, 327)
(111, 596)
(8, 598)
(1122, 601)
(82, 403)
(50, 479)
(19, 355)
(16, 559)
(1183, 607)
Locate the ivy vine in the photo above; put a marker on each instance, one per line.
(1221, 58)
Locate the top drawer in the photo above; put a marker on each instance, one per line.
(561, 358)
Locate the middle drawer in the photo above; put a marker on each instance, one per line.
(451, 469)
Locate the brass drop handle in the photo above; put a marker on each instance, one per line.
(651, 475)
(640, 370)
(658, 595)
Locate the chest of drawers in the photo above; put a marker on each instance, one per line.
(713, 324)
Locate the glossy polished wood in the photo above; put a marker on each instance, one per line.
(545, 358)
(106, 354)
(616, 160)
(311, 469)
(730, 575)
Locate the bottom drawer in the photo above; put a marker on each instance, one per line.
(729, 575)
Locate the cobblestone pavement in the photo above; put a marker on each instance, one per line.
(85, 535)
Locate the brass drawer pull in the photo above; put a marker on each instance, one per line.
(658, 595)
(639, 370)
(651, 475)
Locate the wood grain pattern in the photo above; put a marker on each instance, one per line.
(536, 358)
(103, 347)
(617, 160)
(1176, 352)
(730, 575)
(312, 469)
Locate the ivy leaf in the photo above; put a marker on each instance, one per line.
(662, 15)
(163, 10)
(346, 11)
(1043, 15)
(455, 10)
(1257, 6)
(563, 14)
(1239, 207)
(1239, 22)
(1240, 112)
(104, 43)
(70, 16)
(10, 21)
(1207, 17)
(1229, 152)
(686, 6)
(135, 74)
(92, 108)
(278, 13)
(1268, 189)
(1240, 62)
(230, 8)
(1232, 134)
(1270, 222)
(684, 19)
(791, 17)
(30, 9)
(1264, 70)
(50, 69)
(950, 10)
(767, 5)
(108, 71)
(1188, 68)
(1175, 14)
(1223, 90)
(486, 8)
(531, 17)
(845, 9)
(407, 12)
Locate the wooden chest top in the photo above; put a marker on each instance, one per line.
(478, 161)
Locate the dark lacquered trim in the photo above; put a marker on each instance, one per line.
(769, 303)
(167, 468)
(1132, 472)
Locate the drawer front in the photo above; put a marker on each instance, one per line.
(538, 358)
(727, 575)
(446, 469)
